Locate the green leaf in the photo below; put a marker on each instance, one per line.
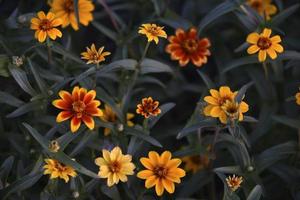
(164, 109)
(111, 192)
(83, 75)
(208, 82)
(294, 123)
(240, 62)
(153, 66)
(4, 62)
(104, 96)
(88, 136)
(60, 50)
(142, 135)
(5, 169)
(229, 170)
(192, 128)
(127, 64)
(241, 93)
(255, 193)
(21, 78)
(41, 83)
(289, 55)
(106, 31)
(274, 154)
(220, 10)
(67, 138)
(283, 15)
(25, 108)
(10, 100)
(60, 156)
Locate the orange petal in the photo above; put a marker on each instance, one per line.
(168, 185)
(64, 115)
(147, 163)
(75, 124)
(66, 96)
(89, 121)
(75, 93)
(159, 188)
(144, 174)
(61, 104)
(90, 96)
(165, 157)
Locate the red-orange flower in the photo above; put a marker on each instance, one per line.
(186, 47)
(80, 106)
(148, 107)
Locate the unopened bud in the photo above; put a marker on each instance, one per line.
(120, 127)
(18, 61)
(75, 194)
(54, 146)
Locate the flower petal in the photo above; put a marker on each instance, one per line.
(253, 38)
(63, 116)
(75, 124)
(89, 121)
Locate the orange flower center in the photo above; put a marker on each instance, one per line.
(222, 100)
(190, 45)
(60, 167)
(256, 5)
(264, 43)
(160, 172)
(153, 30)
(78, 107)
(45, 25)
(115, 167)
(69, 6)
(94, 56)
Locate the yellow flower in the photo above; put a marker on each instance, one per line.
(234, 182)
(152, 32)
(58, 170)
(115, 166)
(148, 107)
(298, 97)
(195, 163)
(161, 172)
(233, 110)
(264, 44)
(65, 10)
(44, 26)
(94, 56)
(110, 116)
(263, 7)
(219, 104)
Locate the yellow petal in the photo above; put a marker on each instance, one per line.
(253, 49)
(275, 39)
(271, 52)
(253, 38)
(262, 55)
(266, 32)
(159, 188)
(277, 47)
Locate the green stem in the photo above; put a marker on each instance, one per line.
(265, 69)
(145, 124)
(95, 76)
(49, 51)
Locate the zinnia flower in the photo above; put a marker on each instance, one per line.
(110, 116)
(79, 106)
(94, 56)
(234, 182)
(114, 166)
(65, 10)
(264, 7)
(161, 172)
(152, 32)
(298, 98)
(186, 47)
(264, 44)
(195, 163)
(148, 107)
(220, 104)
(44, 26)
(58, 170)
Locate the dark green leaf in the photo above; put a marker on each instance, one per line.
(111, 192)
(255, 193)
(192, 128)
(83, 75)
(241, 93)
(153, 66)
(142, 135)
(240, 62)
(208, 82)
(41, 83)
(294, 123)
(164, 109)
(10, 100)
(283, 15)
(106, 31)
(25, 108)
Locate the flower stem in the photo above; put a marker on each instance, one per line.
(49, 51)
(95, 76)
(265, 69)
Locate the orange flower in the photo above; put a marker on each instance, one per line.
(45, 26)
(234, 182)
(297, 96)
(148, 107)
(161, 171)
(80, 106)
(186, 47)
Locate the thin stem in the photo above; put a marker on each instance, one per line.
(49, 51)
(109, 12)
(265, 69)
(95, 76)
(145, 52)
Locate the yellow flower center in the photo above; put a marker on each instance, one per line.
(115, 167)
(45, 25)
(160, 172)
(190, 45)
(79, 107)
(264, 43)
(69, 6)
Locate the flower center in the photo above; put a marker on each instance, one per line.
(78, 107)
(69, 6)
(153, 30)
(256, 5)
(60, 167)
(115, 167)
(196, 160)
(264, 43)
(160, 172)
(190, 45)
(222, 100)
(45, 25)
